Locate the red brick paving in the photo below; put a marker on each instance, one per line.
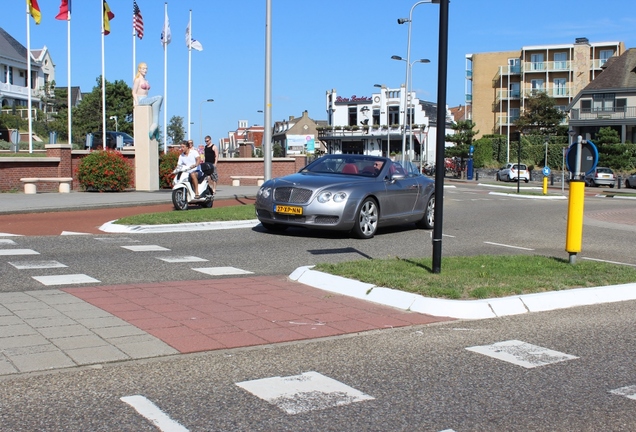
(215, 314)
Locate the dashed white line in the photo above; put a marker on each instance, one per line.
(25, 265)
(18, 252)
(508, 246)
(221, 271)
(65, 279)
(522, 353)
(151, 412)
(146, 248)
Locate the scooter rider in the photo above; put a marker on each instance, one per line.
(191, 158)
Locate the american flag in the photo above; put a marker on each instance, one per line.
(138, 21)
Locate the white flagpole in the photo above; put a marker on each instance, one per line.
(189, 42)
(134, 56)
(28, 80)
(165, 82)
(68, 75)
(103, 82)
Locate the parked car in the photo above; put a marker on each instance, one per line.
(630, 181)
(512, 172)
(601, 176)
(111, 140)
(354, 193)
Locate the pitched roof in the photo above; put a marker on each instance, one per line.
(11, 48)
(619, 73)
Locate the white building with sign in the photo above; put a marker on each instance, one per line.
(375, 124)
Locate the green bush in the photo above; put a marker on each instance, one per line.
(105, 171)
(167, 163)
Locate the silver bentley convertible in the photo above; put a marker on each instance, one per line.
(354, 193)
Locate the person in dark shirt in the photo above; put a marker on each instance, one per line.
(211, 155)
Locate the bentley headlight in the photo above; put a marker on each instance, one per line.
(265, 192)
(339, 197)
(324, 197)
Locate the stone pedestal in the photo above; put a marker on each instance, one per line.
(146, 151)
(245, 150)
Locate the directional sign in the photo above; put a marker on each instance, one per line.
(546, 171)
(589, 157)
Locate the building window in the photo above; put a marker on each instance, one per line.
(537, 86)
(514, 65)
(10, 74)
(603, 102)
(560, 61)
(536, 62)
(376, 116)
(586, 105)
(559, 87)
(604, 55)
(394, 114)
(353, 115)
(621, 105)
(514, 114)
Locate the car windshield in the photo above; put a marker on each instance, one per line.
(358, 165)
(604, 170)
(125, 136)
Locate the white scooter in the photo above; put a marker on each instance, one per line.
(183, 192)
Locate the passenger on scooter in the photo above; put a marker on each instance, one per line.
(191, 158)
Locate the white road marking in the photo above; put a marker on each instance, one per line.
(65, 279)
(181, 259)
(151, 412)
(73, 233)
(7, 242)
(221, 271)
(522, 353)
(629, 392)
(146, 248)
(18, 252)
(116, 240)
(24, 265)
(606, 261)
(303, 393)
(10, 235)
(508, 246)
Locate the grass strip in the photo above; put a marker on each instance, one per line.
(482, 276)
(229, 213)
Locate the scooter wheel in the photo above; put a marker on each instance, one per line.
(208, 203)
(179, 199)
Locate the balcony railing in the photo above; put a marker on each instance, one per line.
(507, 95)
(605, 114)
(469, 74)
(506, 70)
(598, 63)
(504, 120)
(547, 66)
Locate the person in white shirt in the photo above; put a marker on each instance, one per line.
(191, 158)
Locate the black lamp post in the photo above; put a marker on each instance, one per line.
(441, 135)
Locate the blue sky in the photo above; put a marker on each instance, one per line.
(316, 46)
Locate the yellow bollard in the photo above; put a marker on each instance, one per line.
(545, 185)
(574, 231)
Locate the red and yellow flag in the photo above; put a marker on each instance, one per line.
(108, 15)
(34, 10)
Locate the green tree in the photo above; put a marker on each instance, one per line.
(463, 138)
(175, 130)
(87, 116)
(541, 116)
(606, 135)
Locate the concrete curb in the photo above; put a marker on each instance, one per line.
(465, 309)
(111, 227)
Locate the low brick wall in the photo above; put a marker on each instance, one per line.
(60, 161)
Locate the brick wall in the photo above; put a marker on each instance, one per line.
(60, 161)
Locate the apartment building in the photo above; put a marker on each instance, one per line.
(498, 84)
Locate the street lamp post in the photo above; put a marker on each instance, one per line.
(409, 20)
(201, 119)
(410, 100)
(116, 124)
(440, 143)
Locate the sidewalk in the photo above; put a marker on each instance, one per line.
(53, 201)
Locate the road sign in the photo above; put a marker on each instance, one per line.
(589, 157)
(546, 171)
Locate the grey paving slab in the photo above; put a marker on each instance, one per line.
(100, 354)
(9, 320)
(101, 322)
(22, 341)
(75, 342)
(110, 333)
(147, 349)
(17, 330)
(42, 312)
(57, 321)
(6, 367)
(4, 311)
(64, 331)
(41, 361)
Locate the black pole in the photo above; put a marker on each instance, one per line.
(519, 164)
(441, 136)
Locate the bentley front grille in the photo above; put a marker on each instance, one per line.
(292, 195)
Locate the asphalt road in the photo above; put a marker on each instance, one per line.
(415, 378)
